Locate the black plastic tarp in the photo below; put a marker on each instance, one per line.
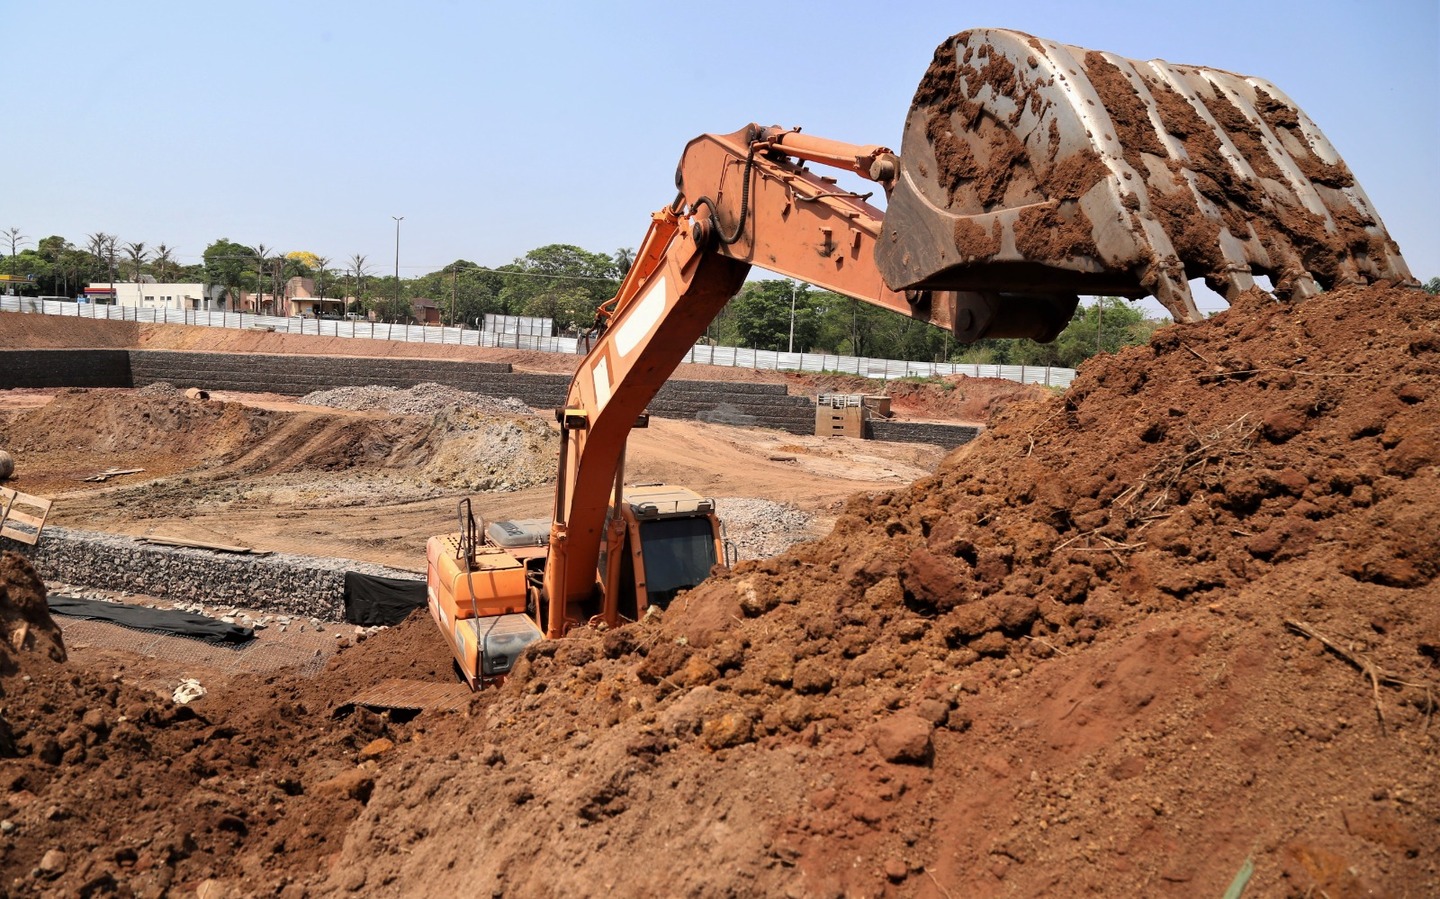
(371, 600)
(182, 624)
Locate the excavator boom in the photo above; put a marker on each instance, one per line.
(1030, 172)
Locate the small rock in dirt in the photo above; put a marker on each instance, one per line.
(491, 754)
(356, 784)
(896, 870)
(53, 864)
(376, 748)
(903, 739)
(730, 729)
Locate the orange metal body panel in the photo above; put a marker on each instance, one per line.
(494, 585)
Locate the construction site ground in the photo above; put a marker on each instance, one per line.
(1172, 633)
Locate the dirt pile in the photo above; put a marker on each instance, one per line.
(1062, 664)
(160, 430)
(1072, 661)
(108, 789)
(25, 623)
(422, 399)
(29, 331)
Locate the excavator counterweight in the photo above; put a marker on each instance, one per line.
(1032, 165)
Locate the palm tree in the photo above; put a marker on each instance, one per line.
(624, 258)
(137, 257)
(260, 251)
(357, 268)
(102, 247)
(322, 266)
(163, 257)
(95, 245)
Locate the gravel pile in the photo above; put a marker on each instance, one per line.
(162, 389)
(422, 399)
(759, 528)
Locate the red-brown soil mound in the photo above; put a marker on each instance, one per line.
(1183, 616)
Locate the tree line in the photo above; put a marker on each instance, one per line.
(566, 283)
(788, 316)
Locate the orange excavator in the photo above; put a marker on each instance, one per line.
(1030, 172)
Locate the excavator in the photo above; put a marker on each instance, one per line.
(1030, 172)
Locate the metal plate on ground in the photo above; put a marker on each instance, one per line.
(416, 695)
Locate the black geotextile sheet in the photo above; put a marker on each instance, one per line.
(182, 624)
(373, 600)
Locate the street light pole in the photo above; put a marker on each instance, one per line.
(792, 318)
(398, 219)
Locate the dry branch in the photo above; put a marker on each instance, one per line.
(1373, 672)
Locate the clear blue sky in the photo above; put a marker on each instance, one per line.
(495, 128)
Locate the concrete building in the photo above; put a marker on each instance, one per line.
(151, 295)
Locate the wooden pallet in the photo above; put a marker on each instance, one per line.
(22, 516)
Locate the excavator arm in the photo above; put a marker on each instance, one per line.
(1030, 172)
(744, 198)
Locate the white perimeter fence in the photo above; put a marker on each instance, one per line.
(732, 357)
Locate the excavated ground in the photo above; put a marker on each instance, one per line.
(1175, 626)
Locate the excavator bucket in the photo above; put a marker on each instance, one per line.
(1042, 168)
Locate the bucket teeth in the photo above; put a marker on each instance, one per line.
(1028, 165)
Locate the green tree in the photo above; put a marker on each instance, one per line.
(560, 277)
(229, 265)
(464, 291)
(760, 316)
(1104, 326)
(569, 307)
(1433, 285)
(383, 303)
(30, 264)
(68, 267)
(849, 327)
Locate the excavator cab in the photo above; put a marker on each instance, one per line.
(667, 541)
(478, 591)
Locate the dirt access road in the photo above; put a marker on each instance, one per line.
(293, 492)
(268, 472)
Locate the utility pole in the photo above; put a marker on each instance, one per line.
(398, 219)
